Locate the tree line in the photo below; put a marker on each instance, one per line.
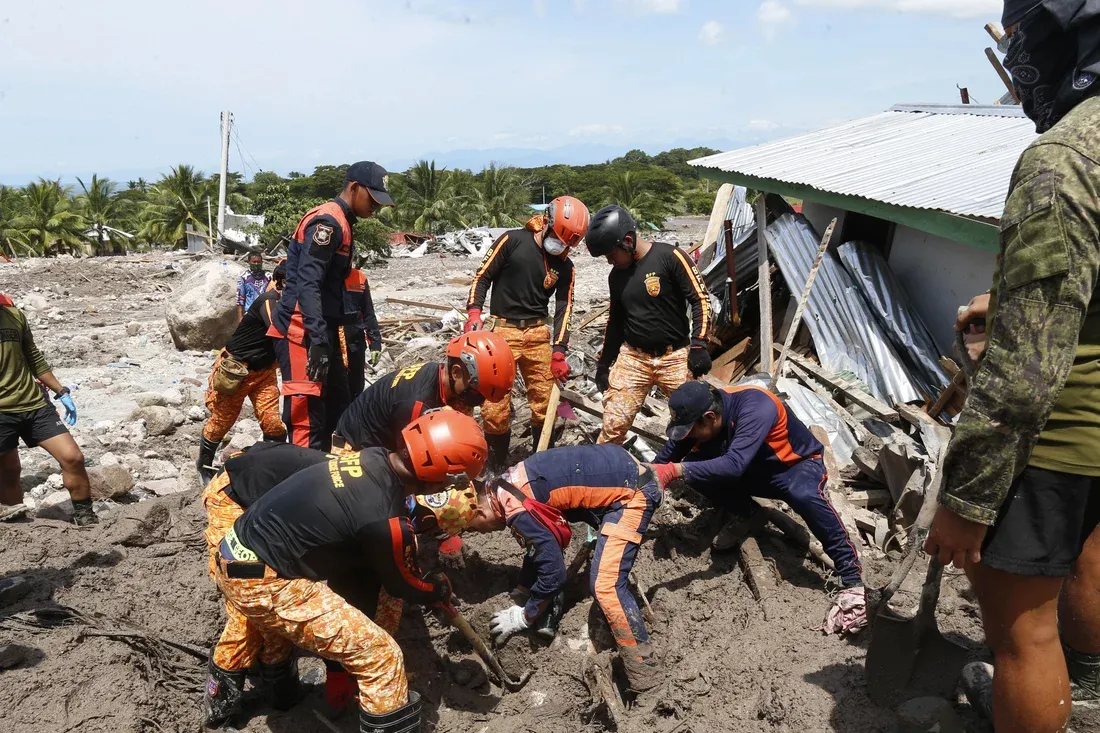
(100, 216)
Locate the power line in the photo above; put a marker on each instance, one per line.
(258, 168)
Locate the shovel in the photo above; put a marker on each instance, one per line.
(460, 622)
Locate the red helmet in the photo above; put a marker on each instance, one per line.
(489, 362)
(568, 219)
(444, 443)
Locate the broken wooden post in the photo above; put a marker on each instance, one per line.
(732, 314)
(764, 283)
(717, 214)
(873, 405)
(758, 573)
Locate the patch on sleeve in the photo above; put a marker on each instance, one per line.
(322, 235)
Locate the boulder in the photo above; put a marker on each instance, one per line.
(150, 399)
(34, 302)
(178, 418)
(133, 328)
(109, 459)
(203, 312)
(165, 486)
(110, 482)
(158, 420)
(194, 412)
(156, 469)
(173, 397)
(56, 505)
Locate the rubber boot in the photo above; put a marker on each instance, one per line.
(224, 690)
(275, 438)
(643, 670)
(498, 451)
(83, 514)
(205, 463)
(405, 719)
(281, 684)
(977, 684)
(1084, 677)
(547, 625)
(340, 689)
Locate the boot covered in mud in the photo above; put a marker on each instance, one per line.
(224, 690)
(205, 462)
(643, 668)
(1084, 678)
(83, 514)
(405, 719)
(284, 691)
(498, 452)
(977, 684)
(547, 625)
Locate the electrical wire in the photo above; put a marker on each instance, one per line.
(258, 168)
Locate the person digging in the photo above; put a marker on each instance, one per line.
(298, 566)
(26, 414)
(604, 487)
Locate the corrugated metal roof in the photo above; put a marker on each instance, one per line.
(957, 159)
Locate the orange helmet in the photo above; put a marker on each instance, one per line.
(443, 443)
(453, 508)
(568, 219)
(489, 362)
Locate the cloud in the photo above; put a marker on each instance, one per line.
(595, 128)
(772, 15)
(761, 125)
(711, 32)
(950, 8)
(654, 7)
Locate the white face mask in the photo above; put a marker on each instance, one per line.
(553, 245)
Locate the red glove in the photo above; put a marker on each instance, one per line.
(473, 320)
(559, 367)
(450, 552)
(340, 691)
(666, 472)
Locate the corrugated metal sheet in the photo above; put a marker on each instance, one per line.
(741, 215)
(954, 159)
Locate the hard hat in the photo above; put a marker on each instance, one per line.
(453, 508)
(489, 362)
(567, 218)
(608, 227)
(443, 443)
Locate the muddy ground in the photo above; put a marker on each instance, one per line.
(108, 602)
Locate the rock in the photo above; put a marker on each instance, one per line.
(132, 461)
(173, 397)
(928, 715)
(56, 505)
(178, 418)
(109, 459)
(158, 420)
(34, 302)
(133, 328)
(138, 432)
(203, 312)
(98, 324)
(194, 412)
(103, 426)
(157, 468)
(110, 482)
(55, 482)
(150, 399)
(191, 380)
(165, 486)
(241, 441)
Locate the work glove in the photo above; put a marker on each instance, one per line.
(375, 357)
(340, 691)
(450, 552)
(698, 361)
(848, 614)
(559, 367)
(603, 376)
(473, 320)
(70, 407)
(666, 473)
(317, 363)
(442, 585)
(506, 623)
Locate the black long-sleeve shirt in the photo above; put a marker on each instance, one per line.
(523, 276)
(378, 415)
(338, 518)
(265, 465)
(649, 303)
(250, 342)
(359, 318)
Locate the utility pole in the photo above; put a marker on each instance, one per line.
(209, 219)
(227, 121)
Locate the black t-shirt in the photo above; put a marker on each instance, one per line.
(649, 304)
(250, 342)
(523, 277)
(260, 468)
(335, 519)
(378, 415)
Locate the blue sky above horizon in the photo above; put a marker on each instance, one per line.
(126, 88)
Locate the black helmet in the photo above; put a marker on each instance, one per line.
(607, 229)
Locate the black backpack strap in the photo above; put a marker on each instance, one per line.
(511, 489)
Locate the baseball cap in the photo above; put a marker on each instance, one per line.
(373, 177)
(688, 403)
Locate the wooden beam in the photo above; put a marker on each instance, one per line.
(870, 498)
(764, 279)
(1000, 69)
(584, 404)
(596, 313)
(855, 394)
(421, 304)
(861, 433)
(717, 214)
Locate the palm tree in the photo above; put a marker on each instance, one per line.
(627, 192)
(502, 198)
(103, 211)
(11, 206)
(49, 217)
(431, 200)
(176, 200)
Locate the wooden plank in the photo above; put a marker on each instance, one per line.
(871, 404)
(1005, 78)
(949, 366)
(758, 574)
(861, 433)
(717, 214)
(421, 304)
(946, 396)
(764, 282)
(795, 531)
(596, 313)
(584, 404)
(870, 498)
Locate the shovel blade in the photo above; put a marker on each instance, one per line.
(904, 663)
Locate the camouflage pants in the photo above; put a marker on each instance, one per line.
(634, 374)
(261, 387)
(314, 617)
(531, 348)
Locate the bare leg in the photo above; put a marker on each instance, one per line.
(1030, 682)
(73, 474)
(1079, 607)
(11, 492)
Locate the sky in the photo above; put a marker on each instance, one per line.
(128, 88)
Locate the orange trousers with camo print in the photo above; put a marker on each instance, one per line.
(633, 375)
(262, 387)
(531, 348)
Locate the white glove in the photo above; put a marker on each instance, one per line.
(848, 614)
(506, 623)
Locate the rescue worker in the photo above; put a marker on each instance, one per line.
(734, 443)
(251, 284)
(524, 267)
(298, 566)
(306, 323)
(648, 340)
(26, 414)
(1020, 506)
(604, 487)
(359, 331)
(251, 347)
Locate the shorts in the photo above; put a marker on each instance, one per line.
(1043, 524)
(33, 426)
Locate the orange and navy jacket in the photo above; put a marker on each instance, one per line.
(523, 276)
(359, 318)
(759, 436)
(648, 304)
(583, 482)
(317, 263)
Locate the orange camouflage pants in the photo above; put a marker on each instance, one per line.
(531, 348)
(633, 375)
(262, 387)
(310, 615)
